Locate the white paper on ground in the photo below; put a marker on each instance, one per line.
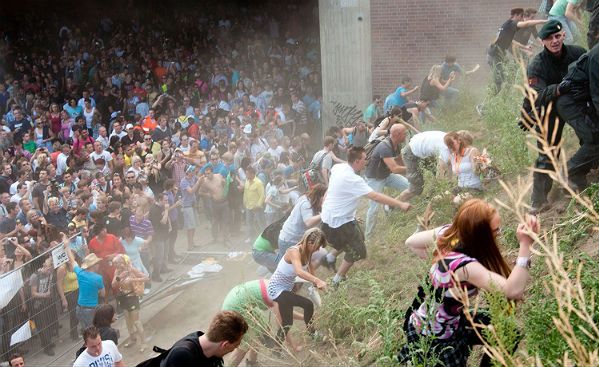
(206, 268)
(194, 275)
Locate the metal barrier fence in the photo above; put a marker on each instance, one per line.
(33, 315)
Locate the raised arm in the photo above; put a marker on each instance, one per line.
(421, 242)
(513, 286)
(531, 23)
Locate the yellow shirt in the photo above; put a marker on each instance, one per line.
(127, 160)
(253, 194)
(70, 282)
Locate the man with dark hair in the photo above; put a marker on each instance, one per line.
(16, 360)
(504, 41)
(159, 216)
(545, 72)
(401, 94)
(346, 188)
(323, 160)
(20, 125)
(6, 178)
(522, 35)
(38, 190)
(578, 106)
(374, 110)
(198, 349)
(98, 352)
(8, 224)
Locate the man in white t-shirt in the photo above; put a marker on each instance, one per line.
(98, 352)
(99, 156)
(61, 159)
(423, 145)
(339, 224)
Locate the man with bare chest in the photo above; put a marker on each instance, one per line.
(212, 186)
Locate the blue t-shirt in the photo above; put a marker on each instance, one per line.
(219, 168)
(188, 199)
(205, 144)
(89, 285)
(395, 99)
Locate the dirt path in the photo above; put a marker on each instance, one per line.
(168, 314)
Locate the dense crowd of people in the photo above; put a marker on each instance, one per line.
(119, 133)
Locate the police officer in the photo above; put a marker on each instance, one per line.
(545, 72)
(578, 105)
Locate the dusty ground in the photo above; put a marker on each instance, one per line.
(171, 312)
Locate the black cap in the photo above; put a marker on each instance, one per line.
(549, 28)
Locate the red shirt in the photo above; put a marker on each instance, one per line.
(110, 246)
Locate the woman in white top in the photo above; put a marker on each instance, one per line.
(296, 263)
(463, 164)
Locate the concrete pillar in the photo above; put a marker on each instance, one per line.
(346, 60)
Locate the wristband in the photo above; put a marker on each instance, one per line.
(523, 262)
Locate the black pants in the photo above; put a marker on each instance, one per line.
(172, 239)
(542, 183)
(72, 311)
(496, 60)
(45, 318)
(287, 300)
(585, 122)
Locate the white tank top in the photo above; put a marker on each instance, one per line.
(89, 116)
(283, 278)
(464, 169)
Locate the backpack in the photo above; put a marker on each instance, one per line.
(311, 175)
(155, 361)
(380, 171)
(369, 148)
(271, 233)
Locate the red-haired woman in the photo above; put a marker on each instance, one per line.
(467, 252)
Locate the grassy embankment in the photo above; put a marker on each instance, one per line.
(363, 318)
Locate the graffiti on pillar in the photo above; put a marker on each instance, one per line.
(346, 116)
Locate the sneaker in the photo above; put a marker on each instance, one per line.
(146, 291)
(480, 109)
(316, 336)
(336, 283)
(539, 208)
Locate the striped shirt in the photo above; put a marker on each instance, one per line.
(143, 229)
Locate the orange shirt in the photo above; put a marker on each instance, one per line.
(149, 124)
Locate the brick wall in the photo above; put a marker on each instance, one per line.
(409, 36)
